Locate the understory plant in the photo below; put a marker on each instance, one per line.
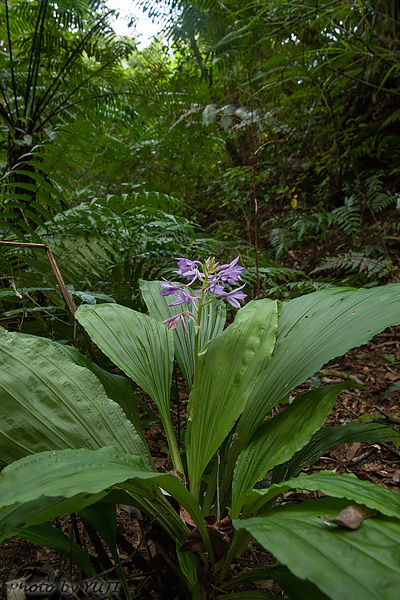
(71, 439)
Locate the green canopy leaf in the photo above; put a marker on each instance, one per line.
(229, 367)
(347, 486)
(212, 324)
(312, 330)
(49, 403)
(277, 439)
(142, 347)
(362, 565)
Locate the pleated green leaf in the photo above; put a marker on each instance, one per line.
(137, 344)
(312, 330)
(41, 487)
(143, 348)
(229, 367)
(277, 439)
(49, 403)
(329, 437)
(102, 516)
(49, 536)
(362, 565)
(347, 486)
(213, 322)
(49, 484)
(116, 387)
(296, 588)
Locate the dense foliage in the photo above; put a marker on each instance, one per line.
(268, 129)
(272, 126)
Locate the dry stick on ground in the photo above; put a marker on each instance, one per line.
(56, 270)
(359, 459)
(388, 417)
(381, 444)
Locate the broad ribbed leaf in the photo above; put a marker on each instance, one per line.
(277, 439)
(143, 348)
(362, 565)
(117, 388)
(102, 516)
(312, 330)
(229, 367)
(49, 536)
(297, 589)
(49, 484)
(329, 437)
(212, 324)
(49, 403)
(137, 344)
(340, 486)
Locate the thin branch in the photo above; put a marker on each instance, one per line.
(71, 59)
(54, 266)
(37, 61)
(11, 59)
(31, 57)
(368, 83)
(96, 96)
(60, 107)
(390, 449)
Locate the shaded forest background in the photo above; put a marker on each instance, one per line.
(266, 128)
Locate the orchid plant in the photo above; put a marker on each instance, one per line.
(72, 439)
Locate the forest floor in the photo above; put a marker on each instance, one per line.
(374, 365)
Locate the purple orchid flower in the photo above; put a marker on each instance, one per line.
(182, 296)
(235, 296)
(187, 268)
(216, 288)
(172, 322)
(169, 288)
(231, 272)
(212, 278)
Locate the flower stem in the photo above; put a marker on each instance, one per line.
(196, 359)
(193, 394)
(173, 447)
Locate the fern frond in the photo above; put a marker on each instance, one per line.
(382, 201)
(356, 262)
(348, 216)
(393, 118)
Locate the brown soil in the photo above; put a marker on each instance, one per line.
(142, 544)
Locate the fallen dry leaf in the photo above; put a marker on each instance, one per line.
(219, 535)
(352, 449)
(396, 476)
(352, 516)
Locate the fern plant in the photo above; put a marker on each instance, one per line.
(357, 268)
(104, 246)
(60, 61)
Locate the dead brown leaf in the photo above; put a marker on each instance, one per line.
(352, 516)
